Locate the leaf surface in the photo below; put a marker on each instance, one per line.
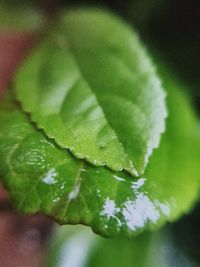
(93, 83)
(42, 177)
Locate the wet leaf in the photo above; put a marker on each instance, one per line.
(43, 177)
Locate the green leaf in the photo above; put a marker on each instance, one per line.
(78, 246)
(93, 89)
(42, 177)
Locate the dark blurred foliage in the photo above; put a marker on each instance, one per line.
(176, 32)
(186, 234)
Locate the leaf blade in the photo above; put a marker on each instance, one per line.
(122, 117)
(121, 61)
(42, 177)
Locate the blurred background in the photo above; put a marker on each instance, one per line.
(171, 27)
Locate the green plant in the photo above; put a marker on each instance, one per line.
(97, 136)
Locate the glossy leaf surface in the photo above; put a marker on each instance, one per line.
(93, 83)
(42, 177)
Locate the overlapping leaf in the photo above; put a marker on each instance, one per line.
(93, 89)
(43, 177)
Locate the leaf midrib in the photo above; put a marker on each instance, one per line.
(99, 103)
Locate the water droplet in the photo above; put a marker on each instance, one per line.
(62, 187)
(49, 178)
(118, 178)
(73, 194)
(102, 145)
(56, 199)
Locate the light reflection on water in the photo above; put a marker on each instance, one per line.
(135, 211)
